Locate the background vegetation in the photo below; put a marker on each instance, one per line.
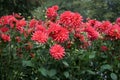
(97, 9)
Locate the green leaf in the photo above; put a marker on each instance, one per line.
(66, 74)
(106, 67)
(91, 56)
(58, 78)
(27, 63)
(91, 72)
(118, 65)
(113, 76)
(52, 73)
(43, 71)
(65, 63)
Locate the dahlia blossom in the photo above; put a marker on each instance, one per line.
(12, 22)
(118, 21)
(104, 48)
(81, 37)
(5, 19)
(114, 32)
(5, 37)
(4, 29)
(94, 23)
(17, 16)
(32, 23)
(40, 28)
(91, 22)
(40, 37)
(20, 25)
(52, 12)
(104, 26)
(57, 51)
(58, 33)
(70, 19)
(92, 33)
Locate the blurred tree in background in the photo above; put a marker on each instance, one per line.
(18, 6)
(96, 9)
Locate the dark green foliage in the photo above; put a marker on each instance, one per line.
(97, 9)
(18, 6)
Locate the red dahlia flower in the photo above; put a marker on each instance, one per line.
(12, 22)
(5, 19)
(104, 48)
(70, 19)
(40, 28)
(58, 33)
(105, 26)
(91, 22)
(40, 37)
(32, 23)
(5, 37)
(18, 16)
(80, 37)
(114, 32)
(20, 24)
(52, 12)
(94, 23)
(57, 51)
(118, 21)
(92, 33)
(4, 29)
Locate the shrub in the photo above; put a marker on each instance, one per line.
(58, 48)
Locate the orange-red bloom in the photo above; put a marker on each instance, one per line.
(33, 23)
(92, 33)
(52, 12)
(5, 37)
(57, 51)
(114, 32)
(104, 48)
(118, 21)
(70, 20)
(58, 33)
(40, 37)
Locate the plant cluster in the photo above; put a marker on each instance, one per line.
(63, 46)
